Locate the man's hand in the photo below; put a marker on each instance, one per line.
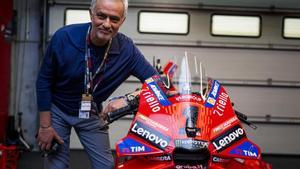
(45, 137)
(46, 133)
(113, 105)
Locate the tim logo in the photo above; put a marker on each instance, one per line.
(246, 149)
(130, 145)
(138, 149)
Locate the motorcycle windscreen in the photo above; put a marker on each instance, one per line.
(189, 76)
(190, 84)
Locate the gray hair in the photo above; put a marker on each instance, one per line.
(125, 3)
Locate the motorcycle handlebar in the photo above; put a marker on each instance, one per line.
(133, 104)
(244, 118)
(241, 115)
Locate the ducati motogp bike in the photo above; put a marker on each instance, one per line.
(184, 120)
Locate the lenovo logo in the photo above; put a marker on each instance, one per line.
(228, 138)
(152, 136)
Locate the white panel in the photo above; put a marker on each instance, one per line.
(291, 28)
(158, 22)
(74, 16)
(229, 25)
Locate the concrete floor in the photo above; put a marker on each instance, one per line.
(34, 160)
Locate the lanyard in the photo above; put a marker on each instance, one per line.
(89, 77)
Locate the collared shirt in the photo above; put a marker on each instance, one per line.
(61, 77)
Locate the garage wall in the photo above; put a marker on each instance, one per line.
(262, 75)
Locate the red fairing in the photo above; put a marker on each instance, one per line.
(184, 131)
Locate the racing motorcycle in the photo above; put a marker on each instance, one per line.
(184, 120)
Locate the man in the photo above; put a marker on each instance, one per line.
(83, 65)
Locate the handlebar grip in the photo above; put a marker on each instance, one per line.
(114, 115)
(131, 108)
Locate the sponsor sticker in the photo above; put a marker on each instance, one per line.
(245, 149)
(151, 101)
(149, 80)
(221, 104)
(150, 135)
(191, 144)
(166, 157)
(213, 94)
(159, 94)
(188, 166)
(216, 159)
(130, 145)
(153, 123)
(188, 97)
(228, 138)
(225, 125)
(211, 101)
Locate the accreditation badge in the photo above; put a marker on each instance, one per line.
(85, 106)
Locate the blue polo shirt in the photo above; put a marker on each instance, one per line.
(61, 77)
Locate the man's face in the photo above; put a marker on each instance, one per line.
(106, 18)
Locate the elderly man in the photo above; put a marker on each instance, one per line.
(83, 65)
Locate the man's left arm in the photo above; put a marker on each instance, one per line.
(141, 68)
